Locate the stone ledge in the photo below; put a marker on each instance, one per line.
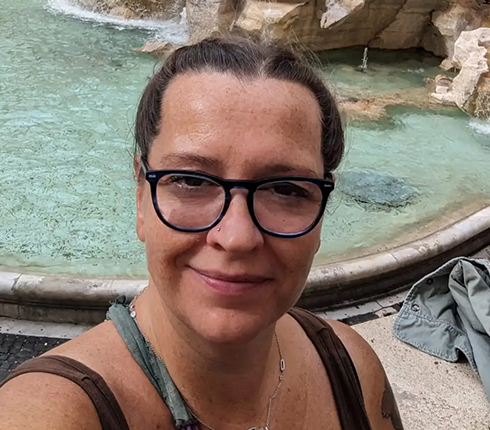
(62, 299)
(65, 299)
(8, 279)
(33, 289)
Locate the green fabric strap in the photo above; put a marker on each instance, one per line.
(154, 367)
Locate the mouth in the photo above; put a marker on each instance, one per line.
(231, 284)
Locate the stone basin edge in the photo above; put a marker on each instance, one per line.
(85, 300)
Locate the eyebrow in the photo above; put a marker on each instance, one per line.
(191, 159)
(211, 162)
(279, 168)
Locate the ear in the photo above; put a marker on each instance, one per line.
(318, 245)
(140, 185)
(137, 166)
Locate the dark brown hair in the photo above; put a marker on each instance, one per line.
(246, 58)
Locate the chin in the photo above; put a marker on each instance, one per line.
(228, 326)
(222, 317)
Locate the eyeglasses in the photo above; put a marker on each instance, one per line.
(285, 206)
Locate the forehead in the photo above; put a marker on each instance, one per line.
(241, 119)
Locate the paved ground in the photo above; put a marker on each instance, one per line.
(484, 253)
(15, 349)
(22, 340)
(432, 394)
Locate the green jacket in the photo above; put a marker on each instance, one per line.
(448, 312)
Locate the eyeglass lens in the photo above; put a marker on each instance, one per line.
(192, 202)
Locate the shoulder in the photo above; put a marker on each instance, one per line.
(378, 396)
(359, 349)
(40, 401)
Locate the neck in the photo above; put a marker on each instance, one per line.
(221, 383)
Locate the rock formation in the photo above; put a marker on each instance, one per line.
(205, 17)
(375, 108)
(328, 24)
(471, 88)
(273, 18)
(337, 10)
(448, 24)
(443, 84)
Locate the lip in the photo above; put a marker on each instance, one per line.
(231, 285)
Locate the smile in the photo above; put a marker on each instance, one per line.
(231, 285)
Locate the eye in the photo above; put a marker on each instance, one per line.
(185, 181)
(289, 189)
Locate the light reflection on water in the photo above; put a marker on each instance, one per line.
(69, 93)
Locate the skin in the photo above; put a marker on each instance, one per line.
(219, 349)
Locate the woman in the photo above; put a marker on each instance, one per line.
(236, 141)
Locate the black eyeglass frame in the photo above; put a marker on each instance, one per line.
(153, 176)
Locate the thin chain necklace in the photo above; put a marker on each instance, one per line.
(282, 368)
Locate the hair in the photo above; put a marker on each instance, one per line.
(248, 57)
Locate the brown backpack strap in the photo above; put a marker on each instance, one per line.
(110, 414)
(340, 370)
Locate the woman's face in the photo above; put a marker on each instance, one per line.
(231, 282)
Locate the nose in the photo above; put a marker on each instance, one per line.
(236, 232)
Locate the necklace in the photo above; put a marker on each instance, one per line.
(282, 368)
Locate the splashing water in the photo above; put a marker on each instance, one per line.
(417, 71)
(480, 126)
(171, 30)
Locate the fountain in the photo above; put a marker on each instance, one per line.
(70, 88)
(132, 9)
(364, 65)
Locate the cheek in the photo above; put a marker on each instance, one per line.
(153, 232)
(163, 245)
(167, 250)
(296, 257)
(149, 227)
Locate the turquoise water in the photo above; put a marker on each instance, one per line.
(69, 91)
(445, 156)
